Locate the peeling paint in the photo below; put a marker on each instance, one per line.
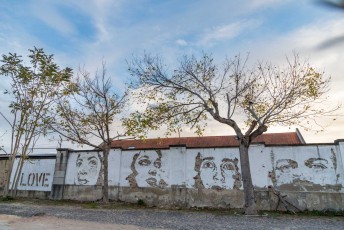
(316, 163)
(131, 178)
(286, 164)
(304, 185)
(100, 178)
(334, 159)
(272, 176)
(197, 168)
(305, 171)
(147, 171)
(296, 168)
(216, 172)
(87, 168)
(237, 181)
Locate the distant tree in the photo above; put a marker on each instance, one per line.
(261, 96)
(33, 92)
(87, 116)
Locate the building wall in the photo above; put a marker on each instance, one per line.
(288, 168)
(311, 175)
(3, 173)
(36, 174)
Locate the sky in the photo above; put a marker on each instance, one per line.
(83, 33)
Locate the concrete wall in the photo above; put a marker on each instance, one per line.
(311, 175)
(36, 177)
(36, 174)
(3, 173)
(288, 168)
(306, 168)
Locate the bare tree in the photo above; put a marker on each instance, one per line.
(87, 117)
(33, 91)
(234, 94)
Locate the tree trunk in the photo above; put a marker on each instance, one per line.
(250, 203)
(7, 177)
(17, 176)
(105, 187)
(9, 168)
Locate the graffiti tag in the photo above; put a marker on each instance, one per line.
(35, 179)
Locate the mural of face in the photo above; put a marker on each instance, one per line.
(306, 171)
(87, 169)
(147, 170)
(217, 173)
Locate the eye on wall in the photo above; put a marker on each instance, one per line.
(285, 165)
(208, 163)
(144, 161)
(316, 163)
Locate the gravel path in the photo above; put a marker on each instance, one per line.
(70, 217)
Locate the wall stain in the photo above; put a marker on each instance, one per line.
(100, 179)
(272, 176)
(197, 178)
(132, 177)
(237, 181)
(305, 185)
(334, 159)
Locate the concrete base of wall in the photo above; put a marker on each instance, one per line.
(171, 197)
(186, 198)
(33, 194)
(266, 200)
(183, 197)
(82, 193)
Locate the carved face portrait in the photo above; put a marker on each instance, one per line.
(217, 173)
(147, 170)
(305, 171)
(87, 169)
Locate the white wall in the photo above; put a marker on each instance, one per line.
(37, 174)
(302, 168)
(83, 168)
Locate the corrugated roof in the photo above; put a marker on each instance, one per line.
(290, 138)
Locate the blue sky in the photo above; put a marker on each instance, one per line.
(85, 32)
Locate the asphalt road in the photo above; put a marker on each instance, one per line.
(42, 216)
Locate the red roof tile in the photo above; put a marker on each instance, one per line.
(291, 138)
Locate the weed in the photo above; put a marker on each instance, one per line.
(90, 205)
(141, 202)
(6, 198)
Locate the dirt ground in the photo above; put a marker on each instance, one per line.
(10, 222)
(49, 215)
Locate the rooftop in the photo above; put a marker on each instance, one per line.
(289, 138)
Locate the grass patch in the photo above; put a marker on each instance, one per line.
(141, 202)
(90, 205)
(314, 213)
(6, 198)
(323, 213)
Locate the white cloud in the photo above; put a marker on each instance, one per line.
(260, 3)
(115, 42)
(49, 15)
(229, 31)
(100, 11)
(181, 42)
(306, 41)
